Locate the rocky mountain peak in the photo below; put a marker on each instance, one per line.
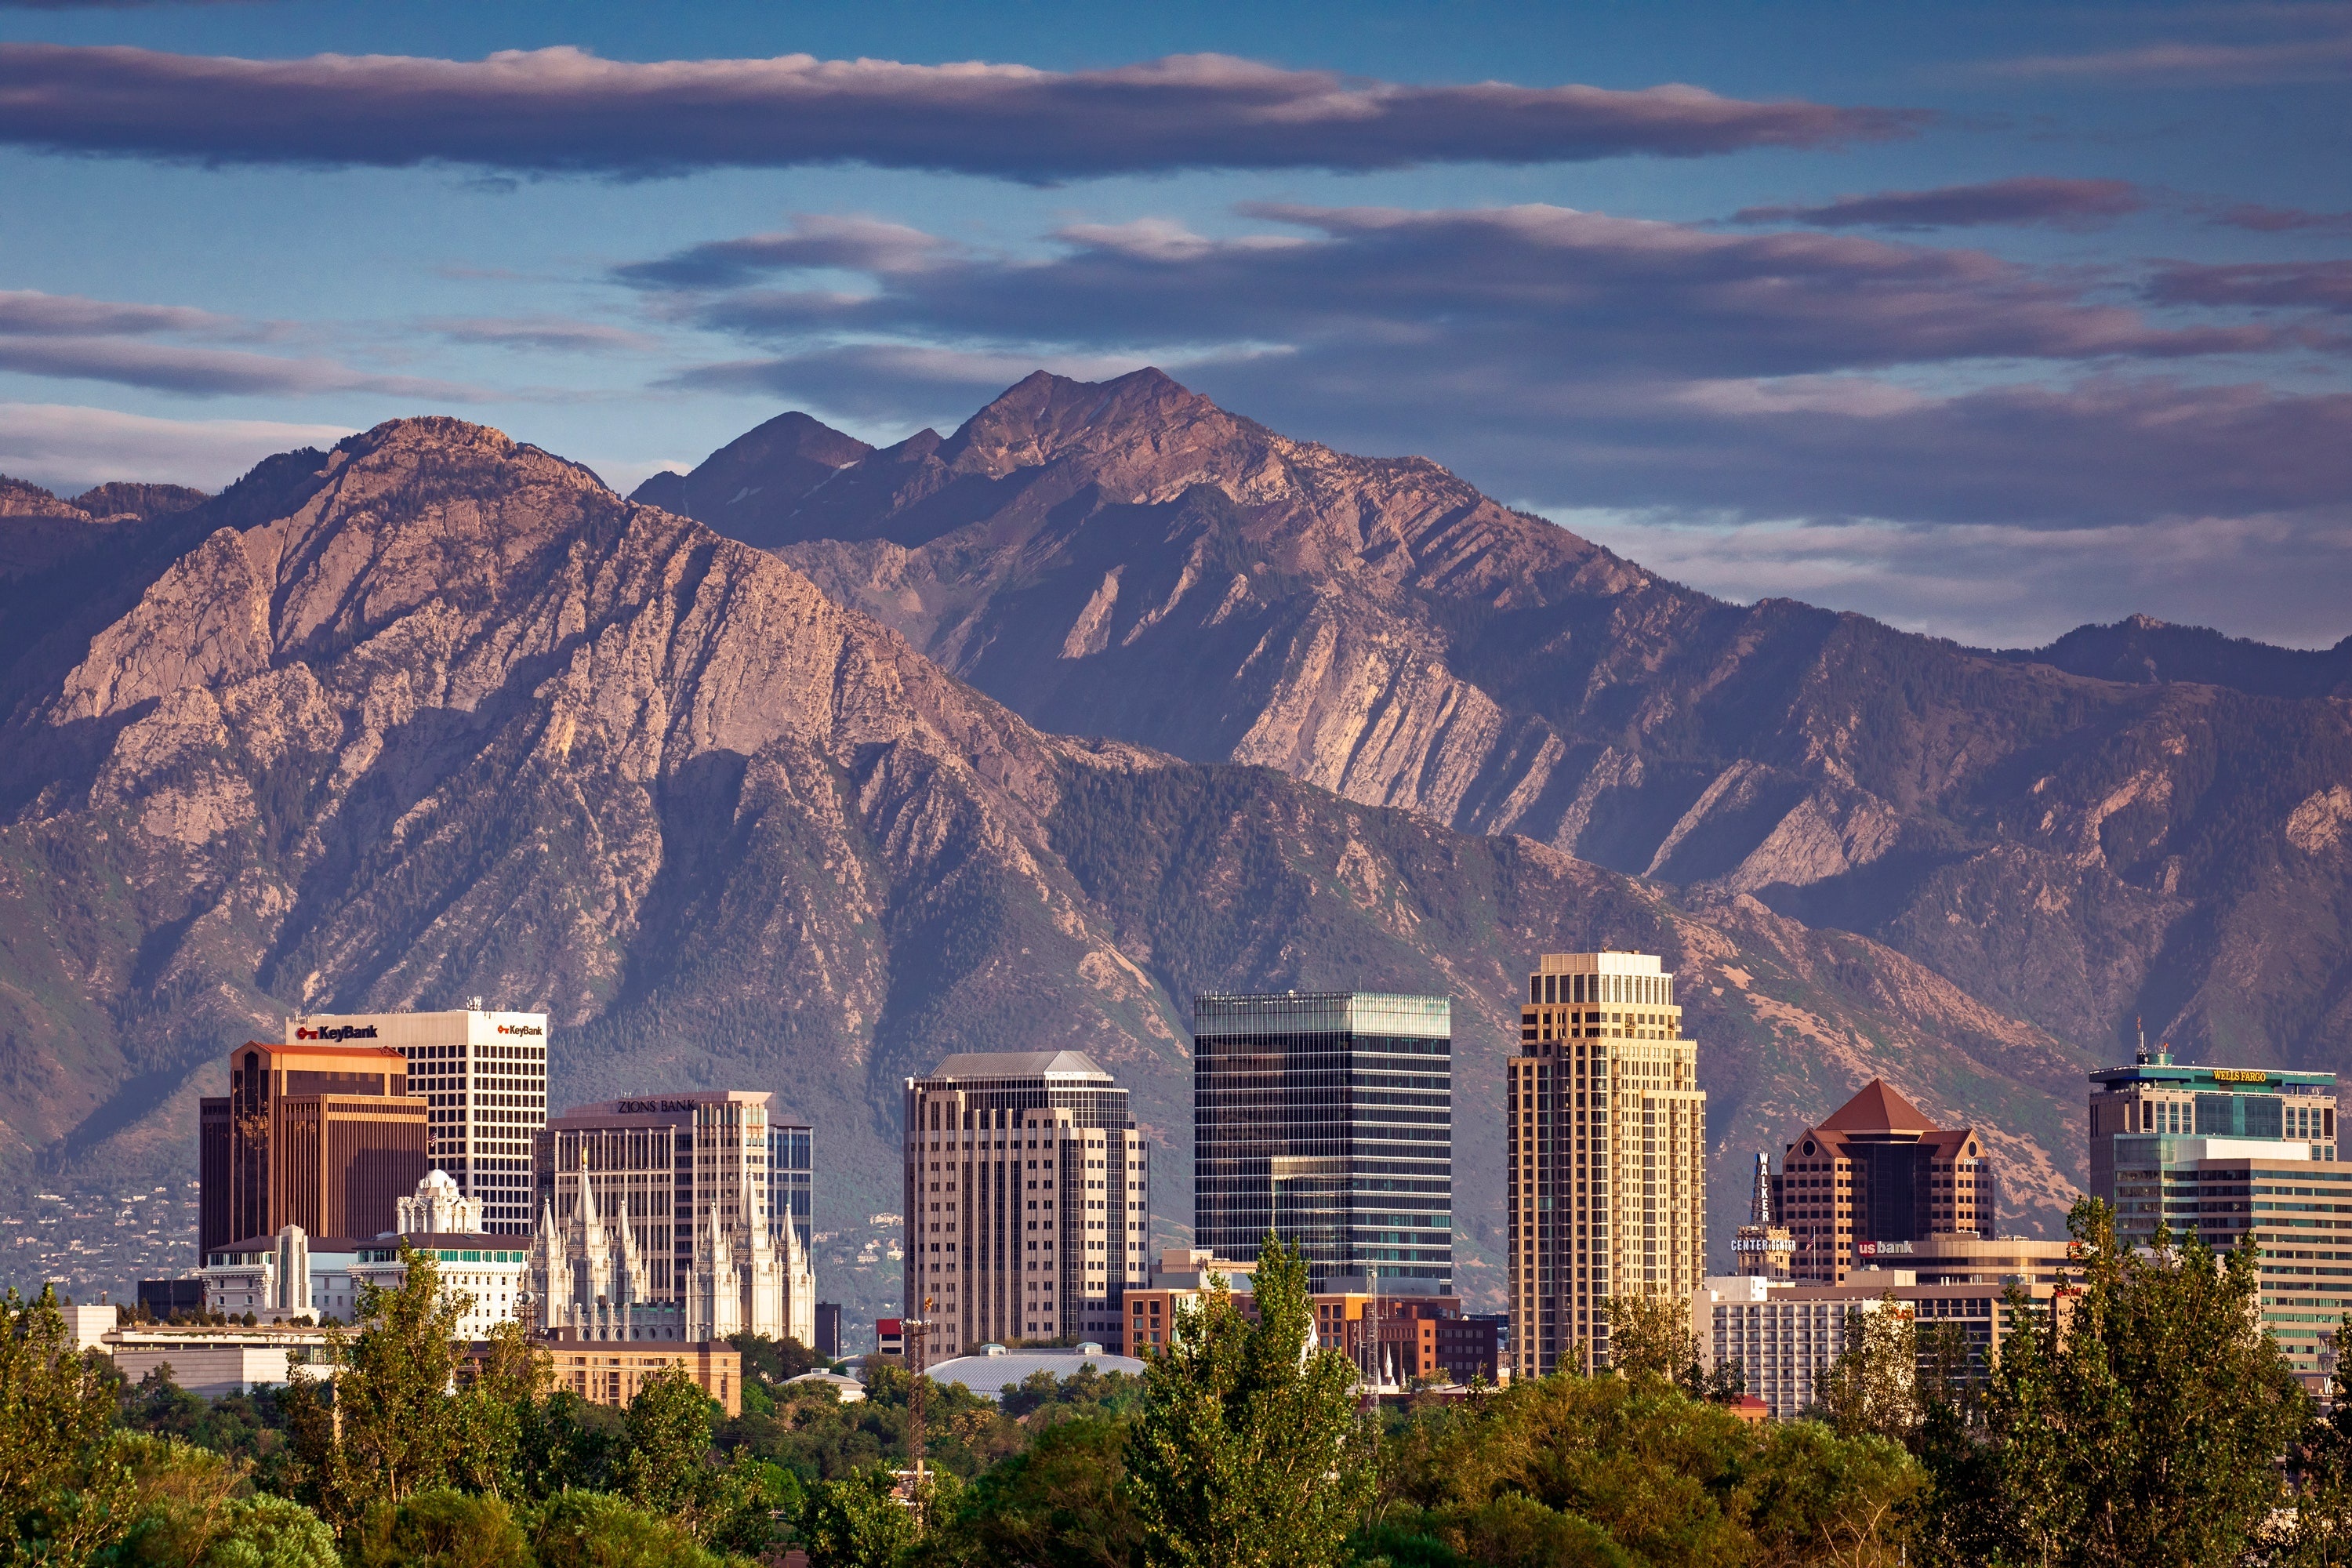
(1046, 416)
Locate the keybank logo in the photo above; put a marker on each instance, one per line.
(345, 1032)
(521, 1029)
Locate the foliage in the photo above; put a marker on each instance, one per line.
(250, 1426)
(1061, 1503)
(1649, 1336)
(441, 1528)
(668, 1440)
(2140, 1424)
(596, 1529)
(391, 1430)
(1248, 1449)
(1872, 1385)
(775, 1360)
(563, 1443)
(271, 1532)
(179, 1501)
(64, 1495)
(1608, 1470)
(855, 1523)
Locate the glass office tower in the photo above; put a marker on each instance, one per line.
(1328, 1117)
(791, 1173)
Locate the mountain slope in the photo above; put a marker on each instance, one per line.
(2075, 841)
(434, 715)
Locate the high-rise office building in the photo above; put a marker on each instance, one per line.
(326, 1137)
(655, 1223)
(1874, 1181)
(792, 1176)
(2220, 1153)
(1028, 1198)
(1607, 1150)
(1328, 1118)
(485, 1075)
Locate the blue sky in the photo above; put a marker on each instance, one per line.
(1987, 321)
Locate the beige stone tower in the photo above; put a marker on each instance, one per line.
(1607, 1144)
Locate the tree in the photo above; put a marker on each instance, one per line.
(1873, 1386)
(441, 1528)
(855, 1523)
(272, 1533)
(668, 1442)
(1650, 1336)
(391, 1430)
(1062, 1503)
(2140, 1422)
(593, 1530)
(1248, 1450)
(64, 1496)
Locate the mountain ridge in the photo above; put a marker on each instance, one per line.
(2056, 831)
(433, 713)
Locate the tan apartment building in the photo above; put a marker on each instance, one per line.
(1607, 1140)
(612, 1372)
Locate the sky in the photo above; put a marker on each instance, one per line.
(1988, 320)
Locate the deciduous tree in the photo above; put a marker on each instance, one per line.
(1249, 1452)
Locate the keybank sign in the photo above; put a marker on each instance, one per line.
(521, 1029)
(344, 1032)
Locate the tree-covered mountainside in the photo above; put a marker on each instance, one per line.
(435, 715)
(2139, 822)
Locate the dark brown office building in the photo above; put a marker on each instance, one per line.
(325, 1137)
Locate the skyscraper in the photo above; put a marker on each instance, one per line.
(792, 1176)
(1875, 1180)
(1607, 1152)
(656, 1221)
(2226, 1153)
(1328, 1118)
(1028, 1198)
(486, 1076)
(325, 1137)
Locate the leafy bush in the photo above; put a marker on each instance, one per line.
(441, 1529)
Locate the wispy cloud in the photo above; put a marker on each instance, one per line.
(2321, 58)
(2282, 220)
(67, 447)
(1576, 358)
(557, 334)
(73, 338)
(2058, 202)
(2289, 285)
(564, 110)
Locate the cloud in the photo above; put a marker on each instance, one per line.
(563, 111)
(1994, 586)
(2322, 58)
(1533, 286)
(2282, 220)
(24, 312)
(2294, 285)
(2065, 204)
(555, 334)
(1576, 359)
(68, 448)
(815, 241)
(70, 337)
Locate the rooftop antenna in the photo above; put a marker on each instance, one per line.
(2140, 1057)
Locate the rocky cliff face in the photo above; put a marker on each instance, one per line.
(2136, 822)
(434, 715)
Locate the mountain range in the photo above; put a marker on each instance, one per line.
(806, 768)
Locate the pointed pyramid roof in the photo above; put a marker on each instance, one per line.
(1876, 1108)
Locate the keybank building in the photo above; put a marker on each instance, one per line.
(2226, 1153)
(1328, 1118)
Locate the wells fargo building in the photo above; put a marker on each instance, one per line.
(323, 1136)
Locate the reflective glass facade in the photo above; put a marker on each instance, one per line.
(1327, 1117)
